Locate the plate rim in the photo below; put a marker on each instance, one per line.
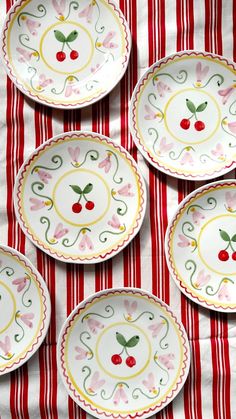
(34, 98)
(141, 212)
(178, 322)
(133, 107)
(47, 314)
(186, 291)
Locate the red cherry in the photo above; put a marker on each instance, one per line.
(77, 208)
(223, 255)
(130, 361)
(90, 205)
(185, 123)
(61, 56)
(116, 359)
(234, 255)
(199, 125)
(74, 55)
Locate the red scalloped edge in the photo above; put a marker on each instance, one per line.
(158, 406)
(50, 102)
(174, 273)
(45, 314)
(156, 163)
(139, 218)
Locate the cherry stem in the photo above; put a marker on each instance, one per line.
(69, 46)
(229, 245)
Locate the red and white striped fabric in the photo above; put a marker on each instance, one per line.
(159, 27)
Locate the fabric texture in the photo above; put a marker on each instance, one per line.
(158, 27)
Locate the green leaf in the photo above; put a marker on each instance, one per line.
(120, 338)
(72, 37)
(59, 36)
(224, 236)
(132, 342)
(201, 107)
(76, 189)
(190, 106)
(88, 188)
(233, 239)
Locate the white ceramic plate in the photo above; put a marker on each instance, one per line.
(25, 309)
(80, 197)
(183, 115)
(201, 246)
(65, 54)
(122, 353)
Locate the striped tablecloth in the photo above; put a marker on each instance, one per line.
(159, 27)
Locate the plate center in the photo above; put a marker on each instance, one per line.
(7, 307)
(81, 197)
(192, 116)
(123, 350)
(66, 47)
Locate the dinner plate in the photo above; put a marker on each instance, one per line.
(25, 309)
(122, 353)
(65, 54)
(183, 115)
(201, 246)
(80, 197)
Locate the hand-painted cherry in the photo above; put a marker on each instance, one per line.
(223, 255)
(77, 207)
(199, 125)
(116, 359)
(130, 361)
(185, 123)
(234, 255)
(90, 205)
(74, 55)
(61, 56)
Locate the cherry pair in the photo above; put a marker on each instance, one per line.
(130, 360)
(77, 207)
(223, 255)
(198, 125)
(61, 55)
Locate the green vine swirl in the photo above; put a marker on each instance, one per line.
(41, 9)
(173, 156)
(54, 90)
(120, 180)
(138, 390)
(210, 290)
(40, 187)
(66, 242)
(191, 266)
(26, 38)
(108, 309)
(103, 392)
(75, 5)
(230, 108)
(153, 96)
(203, 159)
(190, 228)
(55, 159)
(104, 239)
(45, 220)
(210, 201)
(94, 156)
(152, 131)
(87, 336)
(229, 133)
(9, 271)
(166, 345)
(29, 302)
(102, 28)
(8, 358)
(219, 82)
(84, 369)
(18, 337)
(180, 78)
(163, 369)
(119, 211)
(151, 316)
(33, 71)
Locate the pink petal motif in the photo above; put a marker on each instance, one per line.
(218, 151)
(126, 190)
(116, 399)
(224, 292)
(20, 282)
(150, 114)
(60, 231)
(162, 88)
(197, 216)
(106, 43)
(96, 68)
(164, 147)
(94, 325)
(89, 243)
(106, 163)
(226, 93)
(230, 198)
(82, 354)
(37, 204)
(184, 242)
(150, 382)
(156, 328)
(26, 318)
(130, 307)
(232, 127)
(166, 360)
(202, 279)
(123, 395)
(44, 176)
(69, 90)
(187, 159)
(59, 6)
(114, 222)
(74, 153)
(87, 12)
(86, 242)
(201, 72)
(25, 55)
(43, 81)
(96, 382)
(120, 395)
(32, 26)
(5, 346)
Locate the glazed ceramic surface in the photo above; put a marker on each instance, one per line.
(201, 246)
(80, 197)
(122, 353)
(66, 54)
(25, 310)
(183, 115)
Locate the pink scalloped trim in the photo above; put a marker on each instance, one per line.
(158, 406)
(134, 107)
(45, 314)
(116, 249)
(51, 102)
(174, 273)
